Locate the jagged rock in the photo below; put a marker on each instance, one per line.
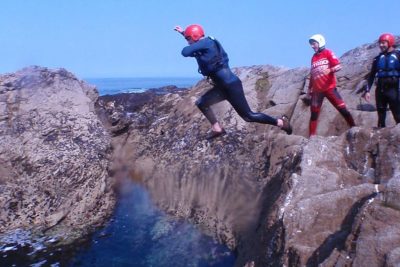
(54, 154)
(335, 207)
(392, 193)
(115, 110)
(277, 200)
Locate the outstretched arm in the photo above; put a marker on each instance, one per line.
(194, 49)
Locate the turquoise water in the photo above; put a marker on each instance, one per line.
(110, 86)
(138, 234)
(141, 235)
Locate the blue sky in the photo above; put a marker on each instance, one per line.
(124, 38)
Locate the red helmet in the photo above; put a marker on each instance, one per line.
(388, 37)
(194, 32)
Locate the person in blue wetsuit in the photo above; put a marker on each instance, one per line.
(213, 63)
(386, 67)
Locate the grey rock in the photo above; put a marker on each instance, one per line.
(54, 154)
(393, 258)
(392, 193)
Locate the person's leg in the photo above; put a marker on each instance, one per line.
(393, 97)
(381, 105)
(211, 97)
(337, 101)
(236, 97)
(316, 102)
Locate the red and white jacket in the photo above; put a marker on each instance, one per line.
(324, 64)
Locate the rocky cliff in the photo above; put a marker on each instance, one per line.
(277, 200)
(54, 156)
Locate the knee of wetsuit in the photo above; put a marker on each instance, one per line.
(234, 81)
(344, 111)
(199, 103)
(314, 112)
(247, 119)
(381, 110)
(314, 116)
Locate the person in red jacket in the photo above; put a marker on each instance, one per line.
(324, 64)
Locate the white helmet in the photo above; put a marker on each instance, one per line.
(319, 39)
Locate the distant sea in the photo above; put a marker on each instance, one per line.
(110, 86)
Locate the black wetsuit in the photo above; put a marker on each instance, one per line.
(213, 62)
(386, 67)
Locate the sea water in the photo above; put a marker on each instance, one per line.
(111, 86)
(141, 235)
(138, 234)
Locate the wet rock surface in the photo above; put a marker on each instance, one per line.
(277, 200)
(54, 156)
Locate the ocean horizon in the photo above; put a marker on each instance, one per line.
(111, 86)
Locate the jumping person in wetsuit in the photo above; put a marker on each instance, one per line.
(213, 63)
(386, 66)
(324, 64)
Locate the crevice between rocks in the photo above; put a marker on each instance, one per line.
(270, 232)
(338, 239)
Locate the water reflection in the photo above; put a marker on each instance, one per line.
(141, 235)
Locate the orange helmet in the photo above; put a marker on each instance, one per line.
(194, 32)
(388, 37)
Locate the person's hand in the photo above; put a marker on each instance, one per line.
(367, 97)
(322, 72)
(326, 71)
(307, 99)
(178, 29)
(308, 95)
